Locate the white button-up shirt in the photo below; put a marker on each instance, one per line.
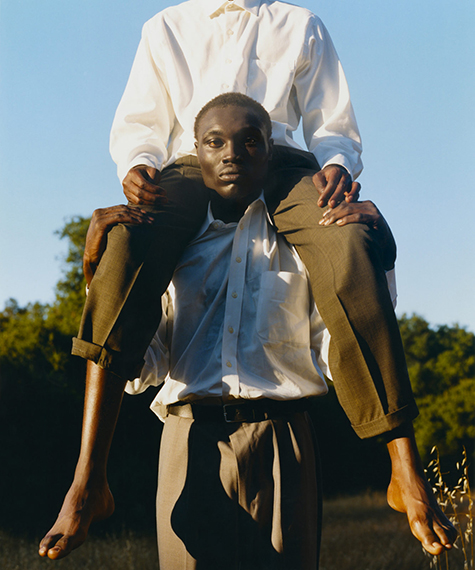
(241, 321)
(278, 54)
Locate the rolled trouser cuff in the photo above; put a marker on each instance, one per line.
(388, 422)
(107, 359)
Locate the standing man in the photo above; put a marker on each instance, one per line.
(238, 476)
(282, 56)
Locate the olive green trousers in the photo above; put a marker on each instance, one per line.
(347, 274)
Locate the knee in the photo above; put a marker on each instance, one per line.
(361, 245)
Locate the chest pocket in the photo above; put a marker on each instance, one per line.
(283, 309)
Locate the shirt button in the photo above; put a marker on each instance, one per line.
(234, 295)
(229, 60)
(230, 32)
(231, 330)
(238, 259)
(225, 86)
(228, 364)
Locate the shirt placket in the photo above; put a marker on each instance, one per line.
(231, 31)
(233, 309)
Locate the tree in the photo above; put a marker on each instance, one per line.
(41, 395)
(441, 365)
(65, 313)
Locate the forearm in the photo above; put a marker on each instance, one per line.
(102, 403)
(144, 118)
(328, 119)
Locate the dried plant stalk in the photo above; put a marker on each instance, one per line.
(457, 504)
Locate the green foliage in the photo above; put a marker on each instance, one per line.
(441, 365)
(448, 419)
(35, 340)
(439, 358)
(65, 313)
(41, 395)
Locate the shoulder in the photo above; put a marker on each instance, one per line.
(174, 14)
(290, 11)
(292, 21)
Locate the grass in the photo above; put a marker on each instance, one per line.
(363, 533)
(457, 503)
(359, 533)
(125, 552)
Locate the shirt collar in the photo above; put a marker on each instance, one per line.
(212, 222)
(214, 7)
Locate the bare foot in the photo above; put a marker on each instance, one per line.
(409, 492)
(80, 508)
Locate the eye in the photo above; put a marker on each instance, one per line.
(214, 143)
(251, 141)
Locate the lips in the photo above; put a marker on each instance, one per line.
(232, 174)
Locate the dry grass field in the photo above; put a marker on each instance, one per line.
(360, 533)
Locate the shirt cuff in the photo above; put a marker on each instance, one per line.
(340, 160)
(145, 159)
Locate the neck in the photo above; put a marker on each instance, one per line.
(231, 209)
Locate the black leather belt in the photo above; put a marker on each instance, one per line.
(239, 411)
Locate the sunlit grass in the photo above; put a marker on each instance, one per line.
(363, 533)
(124, 552)
(359, 533)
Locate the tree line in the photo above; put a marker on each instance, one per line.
(42, 389)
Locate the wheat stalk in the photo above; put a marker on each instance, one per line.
(461, 509)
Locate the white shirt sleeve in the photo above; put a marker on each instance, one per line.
(329, 123)
(144, 118)
(319, 342)
(157, 357)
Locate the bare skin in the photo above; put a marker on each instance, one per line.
(102, 220)
(89, 498)
(142, 186)
(409, 492)
(334, 185)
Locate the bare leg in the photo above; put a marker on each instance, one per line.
(89, 498)
(409, 492)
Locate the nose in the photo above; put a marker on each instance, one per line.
(234, 152)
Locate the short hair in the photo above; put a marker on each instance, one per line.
(235, 100)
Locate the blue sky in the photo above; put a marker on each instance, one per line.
(411, 70)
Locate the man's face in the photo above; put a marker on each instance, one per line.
(233, 149)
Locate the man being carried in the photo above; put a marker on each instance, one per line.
(238, 476)
(282, 56)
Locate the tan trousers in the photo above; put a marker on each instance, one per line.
(238, 496)
(346, 267)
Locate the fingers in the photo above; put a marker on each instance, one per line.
(141, 186)
(352, 213)
(106, 218)
(142, 196)
(354, 194)
(102, 221)
(333, 183)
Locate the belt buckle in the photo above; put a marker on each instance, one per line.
(233, 413)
